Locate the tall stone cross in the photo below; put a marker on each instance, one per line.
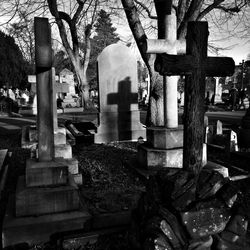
(195, 65)
(167, 43)
(43, 58)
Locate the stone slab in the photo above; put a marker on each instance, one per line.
(59, 135)
(159, 158)
(46, 173)
(165, 138)
(69, 104)
(71, 163)
(46, 200)
(63, 151)
(36, 229)
(73, 110)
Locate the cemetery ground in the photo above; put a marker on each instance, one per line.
(109, 187)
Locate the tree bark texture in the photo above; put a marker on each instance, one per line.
(155, 111)
(197, 37)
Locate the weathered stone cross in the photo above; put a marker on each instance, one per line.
(195, 65)
(45, 123)
(167, 43)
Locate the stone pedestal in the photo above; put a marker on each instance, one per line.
(36, 229)
(45, 200)
(69, 102)
(63, 151)
(163, 148)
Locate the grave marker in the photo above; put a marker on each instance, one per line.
(196, 66)
(219, 129)
(47, 193)
(164, 144)
(119, 117)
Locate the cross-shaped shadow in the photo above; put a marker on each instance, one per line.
(124, 98)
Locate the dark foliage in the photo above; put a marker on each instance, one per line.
(105, 35)
(13, 67)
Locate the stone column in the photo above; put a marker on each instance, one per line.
(54, 98)
(44, 90)
(170, 82)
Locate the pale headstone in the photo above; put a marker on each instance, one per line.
(218, 91)
(119, 117)
(66, 80)
(219, 130)
(11, 94)
(233, 142)
(66, 76)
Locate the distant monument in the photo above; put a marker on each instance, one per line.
(119, 117)
(66, 79)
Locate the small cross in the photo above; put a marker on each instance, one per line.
(195, 65)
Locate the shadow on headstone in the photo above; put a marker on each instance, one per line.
(119, 115)
(124, 98)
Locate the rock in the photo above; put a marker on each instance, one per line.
(206, 218)
(209, 183)
(157, 224)
(175, 225)
(178, 187)
(204, 243)
(234, 235)
(157, 241)
(229, 194)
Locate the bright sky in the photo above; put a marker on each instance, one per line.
(239, 52)
(239, 48)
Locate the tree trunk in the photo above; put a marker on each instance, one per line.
(155, 110)
(82, 83)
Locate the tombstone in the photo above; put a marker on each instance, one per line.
(219, 129)
(164, 144)
(218, 91)
(196, 65)
(31, 105)
(66, 79)
(11, 94)
(119, 115)
(46, 199)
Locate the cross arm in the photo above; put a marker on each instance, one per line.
(167, 64)
(164, 45)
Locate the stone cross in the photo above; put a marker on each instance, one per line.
(195, 65)
(43, 52)
(167, 43)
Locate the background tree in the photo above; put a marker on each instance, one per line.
(23, 33)
(13, 67)
(74, 20)
(186, 10)
(61, 61)
(104, 36)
